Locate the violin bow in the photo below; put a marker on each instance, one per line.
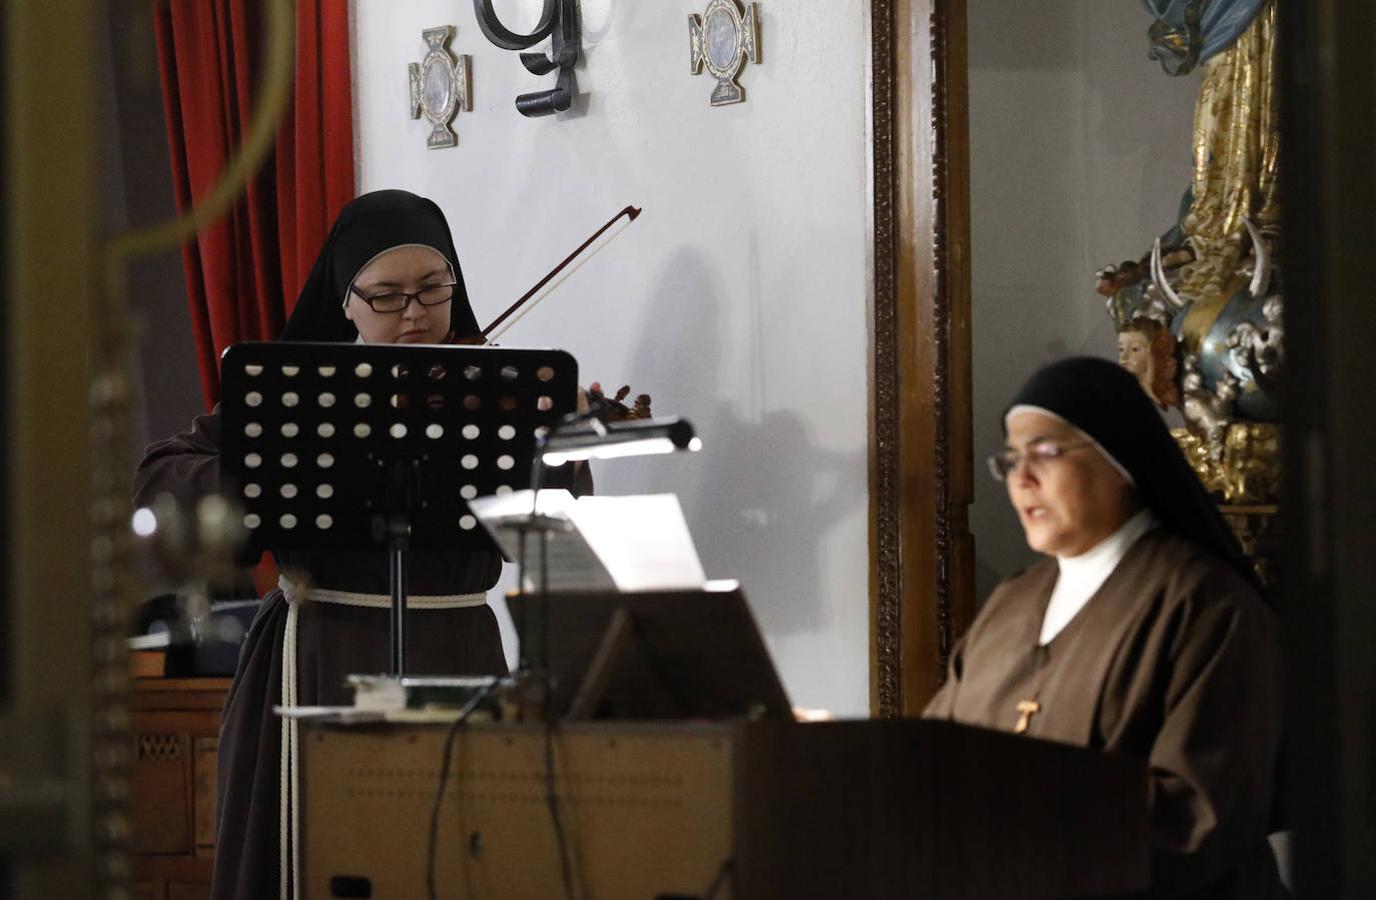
(630, 212)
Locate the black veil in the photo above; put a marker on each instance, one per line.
(1105, 402)
(365, 227)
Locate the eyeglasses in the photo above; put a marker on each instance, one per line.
(396, 301)
(1001, 465)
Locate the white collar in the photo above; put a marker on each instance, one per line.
(1105, 555)
(1081, 576)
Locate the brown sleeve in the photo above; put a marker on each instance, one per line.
(186, 465)
(1213, 763)
(943, 703)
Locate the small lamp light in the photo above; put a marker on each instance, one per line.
(633, 437)
(585, 437)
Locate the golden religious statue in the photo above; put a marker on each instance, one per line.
(1199, 315)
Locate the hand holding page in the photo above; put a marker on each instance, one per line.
(636, 543)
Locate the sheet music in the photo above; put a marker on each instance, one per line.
(636, 543)
(642, 540)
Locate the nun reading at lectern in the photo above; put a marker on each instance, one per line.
(1142, 632)
(388, 273)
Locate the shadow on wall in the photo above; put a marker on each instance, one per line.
(761, 496)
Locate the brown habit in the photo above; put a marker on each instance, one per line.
(1175, 660)
(333, 641)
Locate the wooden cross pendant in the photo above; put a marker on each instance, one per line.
(1026, 710)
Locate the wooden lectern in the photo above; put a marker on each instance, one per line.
(900, 808)
(754, 806)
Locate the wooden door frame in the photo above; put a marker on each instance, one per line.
(1327, 201)
(921, 551)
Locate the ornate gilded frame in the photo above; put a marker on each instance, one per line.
(921, 551)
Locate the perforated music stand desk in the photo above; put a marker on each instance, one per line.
(381, 446)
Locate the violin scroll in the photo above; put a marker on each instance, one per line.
(614, 409)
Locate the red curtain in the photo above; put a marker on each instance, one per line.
(244, 270)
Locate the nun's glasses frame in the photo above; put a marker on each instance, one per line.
(1001, 465)
(397, 301)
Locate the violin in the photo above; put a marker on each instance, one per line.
(630, 213)
(613, 409)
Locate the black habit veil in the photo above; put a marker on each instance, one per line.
(1106, 402)
(365, 227)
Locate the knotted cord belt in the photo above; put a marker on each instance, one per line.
(289, 824)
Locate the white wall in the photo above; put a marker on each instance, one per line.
(737, 300)
(1079, 153)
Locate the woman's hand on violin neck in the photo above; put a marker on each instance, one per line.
(583, 403)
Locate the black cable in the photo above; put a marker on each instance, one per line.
(464, 713)
(547, 711)
(552, 801)
(727, 867)
(541, 596)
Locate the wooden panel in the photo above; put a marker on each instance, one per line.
(177, 723)
(205, 761)
(178, 891)
(932, 809)
(645, 810)
(166, 694)
(159, 784)
(891, 809)
(172, 869)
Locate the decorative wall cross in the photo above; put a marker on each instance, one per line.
(722, 39)
(559, 22)
(440, 86)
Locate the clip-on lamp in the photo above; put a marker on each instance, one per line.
(579, 437)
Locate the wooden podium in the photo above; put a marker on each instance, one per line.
(872, 809)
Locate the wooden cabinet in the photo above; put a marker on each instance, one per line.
(176, 723)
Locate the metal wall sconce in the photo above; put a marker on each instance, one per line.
(722, 39)
(559, 21)
(440, 87)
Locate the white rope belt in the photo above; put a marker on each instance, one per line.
(289, 824)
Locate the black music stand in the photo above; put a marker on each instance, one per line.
(381, 446)
(657, 655)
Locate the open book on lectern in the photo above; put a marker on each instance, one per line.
(632, 543)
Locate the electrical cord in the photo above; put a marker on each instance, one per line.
(546, 700)
(541, 596)
(725, 871)
(552, 802)
(468, 709)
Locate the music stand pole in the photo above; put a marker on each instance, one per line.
(396, 552)
(401, 505)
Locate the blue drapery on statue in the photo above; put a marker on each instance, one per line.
(1188, 32)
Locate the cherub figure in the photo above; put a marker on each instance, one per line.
(1260, 349)
(1208, 413)
(1147, 349)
